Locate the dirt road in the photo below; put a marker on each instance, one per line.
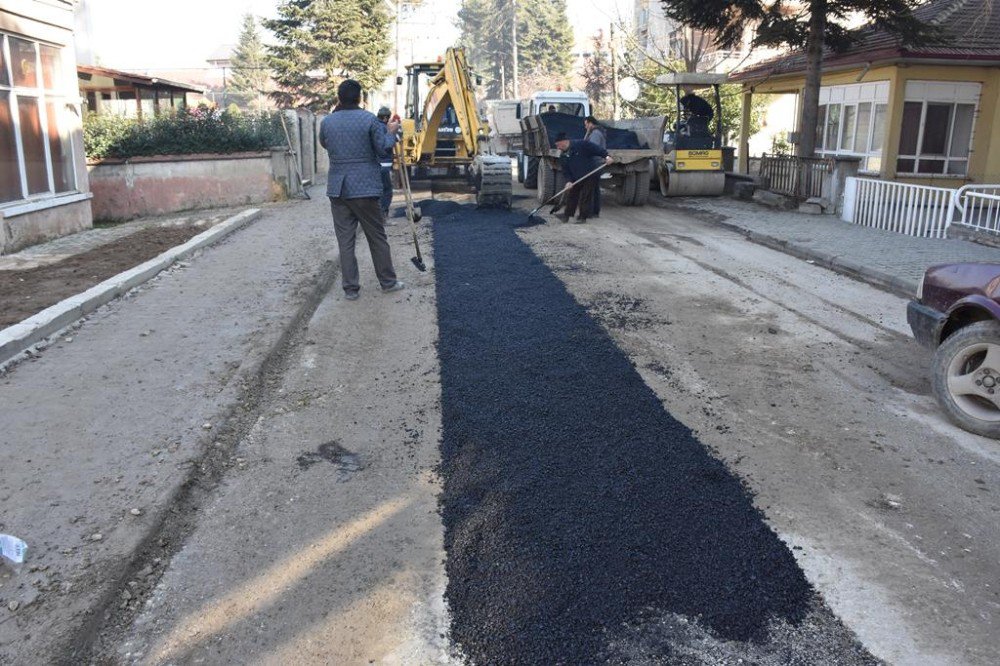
(641, 440)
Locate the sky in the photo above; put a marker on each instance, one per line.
(188, 31)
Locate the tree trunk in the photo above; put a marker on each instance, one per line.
(814, 75)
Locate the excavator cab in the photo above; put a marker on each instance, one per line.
(692, 163)
(442, 128)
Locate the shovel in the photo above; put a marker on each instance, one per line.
(413, 213)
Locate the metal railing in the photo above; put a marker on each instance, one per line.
(799, 177)
(915, 210)
(978, 206)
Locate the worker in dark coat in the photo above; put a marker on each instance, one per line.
(699, 113)
(386, 199)
(356, 141)
(581, 157)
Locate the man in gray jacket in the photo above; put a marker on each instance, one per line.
(356, 141)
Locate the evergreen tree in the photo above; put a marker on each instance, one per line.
(323, 42)
(249, 60)
(544, 41)
(807, 24)
(597, 75)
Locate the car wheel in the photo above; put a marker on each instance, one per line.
(966, 378)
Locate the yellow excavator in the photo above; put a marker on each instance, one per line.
(441, 110)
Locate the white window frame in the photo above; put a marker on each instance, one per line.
(853, 95)
(42, 97)
(941, 92)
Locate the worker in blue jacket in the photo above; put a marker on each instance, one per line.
(580, 157)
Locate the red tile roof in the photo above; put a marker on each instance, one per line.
(971, 27)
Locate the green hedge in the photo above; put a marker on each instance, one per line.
(198, 130)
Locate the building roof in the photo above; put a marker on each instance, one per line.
(223, 54)
(86, 72)
(971, 28)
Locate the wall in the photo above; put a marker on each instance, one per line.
(159, 185)
(37, 226)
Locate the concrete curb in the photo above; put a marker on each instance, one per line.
(20, 337)
(892, 283)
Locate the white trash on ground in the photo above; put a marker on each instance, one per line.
(12, 548)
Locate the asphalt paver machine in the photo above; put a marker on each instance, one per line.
(692, 164)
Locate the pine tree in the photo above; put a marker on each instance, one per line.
(597, 75)
(249, 61)
(544, 41)
(323, 42)
(806, 24)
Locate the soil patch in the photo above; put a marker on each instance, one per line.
(27, 292)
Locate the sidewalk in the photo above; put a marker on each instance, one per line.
(892, 261)
(109, 437)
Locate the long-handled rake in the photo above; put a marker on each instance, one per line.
(413, 213)
(562, 192)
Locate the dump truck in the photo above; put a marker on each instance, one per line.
(438, 91)
(636, 146)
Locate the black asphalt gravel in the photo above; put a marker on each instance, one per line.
(575, 507)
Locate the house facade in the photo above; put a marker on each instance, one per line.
(127, 94)
(928, 115)
(43, 177)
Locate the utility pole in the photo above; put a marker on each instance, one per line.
(513, 30)
(395, 88)
(614, 76)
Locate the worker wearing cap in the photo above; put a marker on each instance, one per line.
(356, 142)
(582, 157)
(386, 200)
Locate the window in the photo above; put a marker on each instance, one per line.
(36, 151)
(936, 132)
(852, 122)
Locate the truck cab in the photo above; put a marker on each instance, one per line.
(572, 103)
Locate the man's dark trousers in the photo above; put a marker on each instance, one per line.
(581, 195)
(347, 215)
(386, 200)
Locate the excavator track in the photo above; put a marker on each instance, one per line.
(494, 186)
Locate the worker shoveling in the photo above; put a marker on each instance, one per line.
(557, 198)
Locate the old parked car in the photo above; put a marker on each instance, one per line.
(957, 313)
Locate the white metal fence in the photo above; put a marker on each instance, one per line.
(978, 206)
(915, 210)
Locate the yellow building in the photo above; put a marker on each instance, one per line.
(928, 115)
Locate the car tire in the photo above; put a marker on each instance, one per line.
(970, 355)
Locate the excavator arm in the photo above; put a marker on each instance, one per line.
(453, 87)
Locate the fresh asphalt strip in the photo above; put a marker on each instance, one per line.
(575, 507)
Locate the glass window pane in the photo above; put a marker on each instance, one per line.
(931, 166)
(10, 172)
(847, 136)
(958, 167)
(832, 126)
(864, 123)
(33, 143)
(4, 79)
(910, 130)
(22, 63)
(52, 72)
(961, 134)
(820, 124)
(905, 166)
(147, 103)
(936, 125)
(60, 147)
(878, 129)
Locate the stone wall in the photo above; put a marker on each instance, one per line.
(126, 189)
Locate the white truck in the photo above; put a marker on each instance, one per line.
(505, 116)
